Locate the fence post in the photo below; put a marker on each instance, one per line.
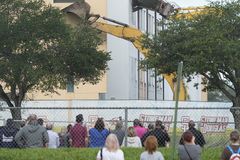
(126, 126)
(179, 78)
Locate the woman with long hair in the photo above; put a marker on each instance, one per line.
(151, 153)
(98, 134)
(133, 140)
(112, 150)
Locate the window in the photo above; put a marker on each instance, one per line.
(64, 1)
(134, 18)
(70, 86)
(102, 96)
(143, 24)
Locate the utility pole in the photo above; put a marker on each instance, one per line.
(179, 78)
(147, 30)
(155, 70)
(138, 56)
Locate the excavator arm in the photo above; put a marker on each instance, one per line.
(126, 32)
(135, 36)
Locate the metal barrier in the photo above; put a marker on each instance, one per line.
(214, 122)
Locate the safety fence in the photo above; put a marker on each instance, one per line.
(214, 120)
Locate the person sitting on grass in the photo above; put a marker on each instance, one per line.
(119, 132)
(139, 129)
(7, 134)
(32, 135)
(151, 153)
(199, 138)
(112, 150)
(53, 137)
(189, 150)
(151, 128)
(232, 151)
(133, 140)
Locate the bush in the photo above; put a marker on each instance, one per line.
(86, 154)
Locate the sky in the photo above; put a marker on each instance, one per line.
(190, 3)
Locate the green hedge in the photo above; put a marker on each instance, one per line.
(86, 154)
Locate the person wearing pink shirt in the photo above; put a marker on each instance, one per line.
(139, 129)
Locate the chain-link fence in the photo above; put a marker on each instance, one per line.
(214, 120)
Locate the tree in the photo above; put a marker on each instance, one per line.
(208, 43)
(39, 51)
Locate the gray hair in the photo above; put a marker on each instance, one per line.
(32, 119)
(49, 126)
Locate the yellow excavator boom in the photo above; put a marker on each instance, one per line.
(135, 36)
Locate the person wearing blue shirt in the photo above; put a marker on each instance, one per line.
(98, 134)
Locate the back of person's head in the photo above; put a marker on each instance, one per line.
(32, 119)
(10, 123)
(112, 143)
(234, 136)
(99, 125)
(158, 124)
(191, 124)
(131, 132)
(22, 124)
(119, 125)
(150, 127)
(187, 137)
(49, 126)
(79, 118)
(136, 122)
(151, 144)
(69, 127)
(40, 121)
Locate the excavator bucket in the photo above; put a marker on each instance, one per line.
(80, 9)
(163, 8)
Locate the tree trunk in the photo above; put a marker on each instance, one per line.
(16, 113)
(16, 116)
(235, 110)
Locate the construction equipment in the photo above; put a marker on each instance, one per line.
(163, 8)
(123, 31)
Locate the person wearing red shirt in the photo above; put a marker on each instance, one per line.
(78, 133)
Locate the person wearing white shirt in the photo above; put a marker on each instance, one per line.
(112, 150)
(133, 140)
(53, 137)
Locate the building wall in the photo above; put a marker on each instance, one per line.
(87, 91)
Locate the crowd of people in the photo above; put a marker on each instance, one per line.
(34, 134)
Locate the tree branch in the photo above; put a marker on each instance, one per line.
(5, 97)
(229, 75)
(219, 84)
(231, 87)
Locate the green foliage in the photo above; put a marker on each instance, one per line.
(88, 154)
(38, 50)
(208, 44)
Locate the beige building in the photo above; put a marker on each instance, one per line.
(81, 91)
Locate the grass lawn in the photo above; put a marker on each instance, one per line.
(87, 154)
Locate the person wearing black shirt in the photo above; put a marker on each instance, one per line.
(199, 138)
(160, 133)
